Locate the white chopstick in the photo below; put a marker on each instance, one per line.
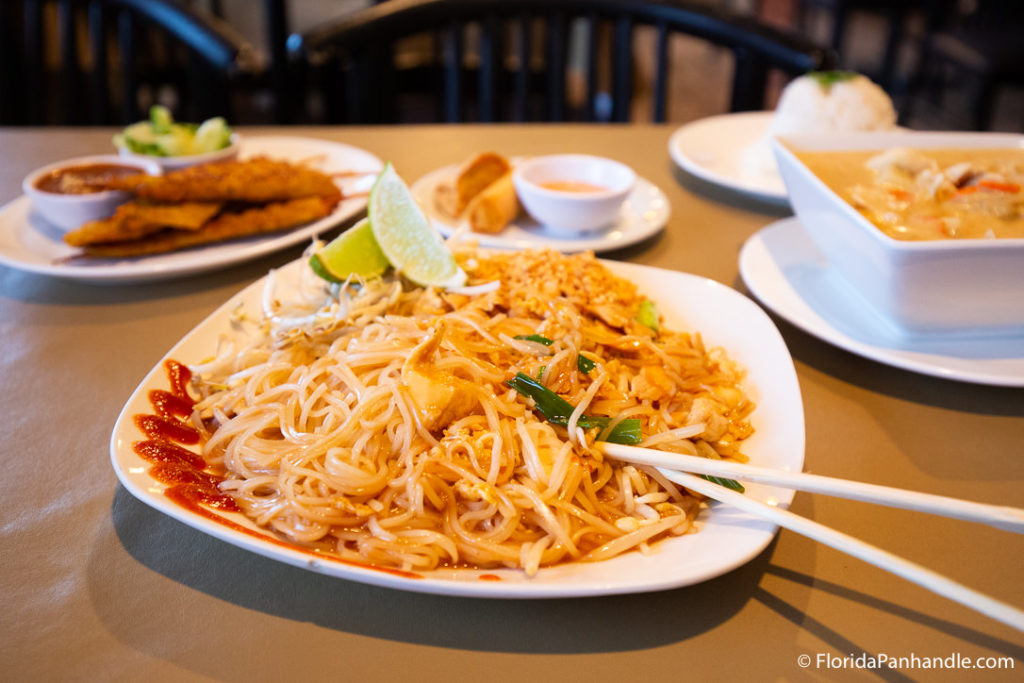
(1006, 518)
(670, 464)
(915, 573)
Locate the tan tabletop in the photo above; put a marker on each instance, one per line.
(98, 586)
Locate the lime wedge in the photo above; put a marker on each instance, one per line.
(406, 237)
(353, 252)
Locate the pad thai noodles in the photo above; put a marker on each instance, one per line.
(418, 428)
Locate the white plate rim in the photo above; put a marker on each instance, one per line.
(763, 277)
(725, 127)
(778, 441)
(423, 187)
(200, 259)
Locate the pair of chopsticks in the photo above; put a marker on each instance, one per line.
(678, 468)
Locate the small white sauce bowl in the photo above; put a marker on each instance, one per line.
(173, 163)
(568, 211)
(70, 211)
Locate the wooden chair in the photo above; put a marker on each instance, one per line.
(351, 61)
(47, 77)
(984, 49)
(895, 12)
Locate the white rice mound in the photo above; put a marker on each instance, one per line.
(849, 105)
(806, 106)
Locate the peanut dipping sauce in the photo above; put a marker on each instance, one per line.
(86, 179)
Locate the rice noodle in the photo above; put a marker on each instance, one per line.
(376, 424)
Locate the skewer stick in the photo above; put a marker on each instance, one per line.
(1003, 517)
(915, 573)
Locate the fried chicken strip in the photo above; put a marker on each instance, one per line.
(139, 218)
(273, 217)
(256, 180)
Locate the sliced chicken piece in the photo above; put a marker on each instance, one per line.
(903, 159)
(703, 410)
(652, 383)
(935, 185)
(440, 396)
(962, 174)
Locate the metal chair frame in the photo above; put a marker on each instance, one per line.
(216, 55)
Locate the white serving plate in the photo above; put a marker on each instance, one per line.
(782, 268)
(644, 214)
(727, 538)
(720, 149)
(28, 242)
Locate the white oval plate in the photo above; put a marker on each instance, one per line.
(644, 213)
(715, 149)
(786, 272)
(727, 538)
(28, 242)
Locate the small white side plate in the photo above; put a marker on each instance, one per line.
(719, 150)
(727, 537)
(785, 271)
(644, 213)
(28, 242)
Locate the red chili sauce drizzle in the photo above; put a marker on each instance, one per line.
(185, 473)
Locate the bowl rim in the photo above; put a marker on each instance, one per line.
(880, 141)
(527, 164)
(28, 183)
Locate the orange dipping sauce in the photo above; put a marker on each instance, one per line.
(83, 179)
(572, 186)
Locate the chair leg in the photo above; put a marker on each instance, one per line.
(891, 58)
(915, 86)
(838, 29)
(984, 104)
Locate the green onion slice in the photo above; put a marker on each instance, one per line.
(538, 338)
(647, 315)
(584, 364)
(557, 410)
(727, 483)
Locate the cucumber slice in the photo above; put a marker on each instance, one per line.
(161, 119)
(212, 134)
(160, 136)
(140, 139)
(176, 142)
(140, 132)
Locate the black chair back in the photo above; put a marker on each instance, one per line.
(48, 77)
(275, 78)
(351, 61)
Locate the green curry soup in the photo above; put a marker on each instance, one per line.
(930, 194)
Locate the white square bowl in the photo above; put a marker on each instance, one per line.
(964, 287)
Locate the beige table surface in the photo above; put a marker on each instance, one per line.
(97, 586)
